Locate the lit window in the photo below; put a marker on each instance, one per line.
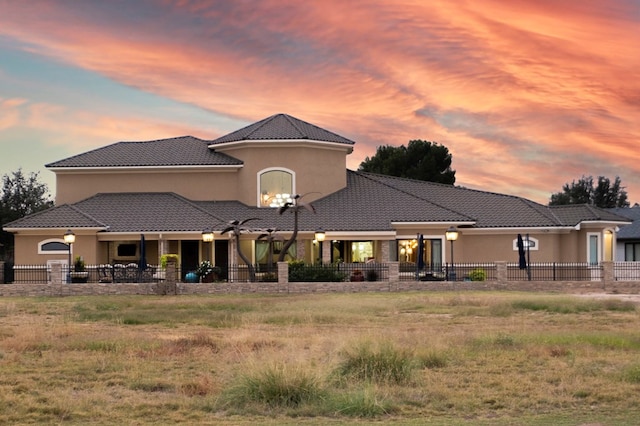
(276, 188)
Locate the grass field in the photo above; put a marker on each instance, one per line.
(406, 358)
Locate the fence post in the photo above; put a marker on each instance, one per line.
(283, 272)
(169, 284)
(394, 272)
(608, 275)
(501, 272)
(56, 274)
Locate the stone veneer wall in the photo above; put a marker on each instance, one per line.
(171, 287)
(17, 290)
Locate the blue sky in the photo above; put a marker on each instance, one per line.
(527, 94)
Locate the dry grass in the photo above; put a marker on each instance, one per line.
(480, 358)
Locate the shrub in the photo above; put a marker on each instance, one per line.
(276, 386)
(300, 272)
(385, 364)
(478, 274)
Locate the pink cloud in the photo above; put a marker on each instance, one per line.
(522, 92)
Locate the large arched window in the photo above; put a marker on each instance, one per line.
(275, 187)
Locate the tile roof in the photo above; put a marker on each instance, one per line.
(180, 151)
(281, 127)
(632, 230)
(369, 202)
(487, 209)
(573, 214)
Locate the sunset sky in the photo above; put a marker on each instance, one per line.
(526, 94)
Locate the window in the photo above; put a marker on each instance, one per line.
(632, 252)
(361, 251)
(432, 254)
(262, 251)
(593, 248)
(275, 187)
(54, 246)
(529, 242)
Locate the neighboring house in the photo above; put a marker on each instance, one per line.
(628, 241)
(170, 190)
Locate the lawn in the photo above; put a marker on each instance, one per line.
(499, 358)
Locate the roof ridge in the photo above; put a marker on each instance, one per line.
(193, 204)
(413, 195)
(77, 210)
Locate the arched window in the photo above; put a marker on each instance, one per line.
(53, 246)
(275, 187)
(529, 243)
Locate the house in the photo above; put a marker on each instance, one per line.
(628, 237)
(170, 190)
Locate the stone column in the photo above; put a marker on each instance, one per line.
(394, 271)
(501, 272)
(608, 274)
(283, 272)
(56, 274)
(326, 251)
(168, 286)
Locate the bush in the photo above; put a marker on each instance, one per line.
(300, 272)
(276, 386)
(478, 274)
(380, 365)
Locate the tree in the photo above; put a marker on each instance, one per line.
(21, 195)
(604, 194)
(236, 229)
(295, 207)
(422, 160)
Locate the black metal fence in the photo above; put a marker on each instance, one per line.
(300, 272)
(555, 271)
(626, 271)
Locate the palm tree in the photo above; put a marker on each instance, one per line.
(270, 236)
(235, 227)
(295, 205)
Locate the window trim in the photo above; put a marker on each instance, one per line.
(534, 247)
(273, 169)
(52, 240)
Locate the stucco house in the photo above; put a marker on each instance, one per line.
(628, 237)
(170, 190)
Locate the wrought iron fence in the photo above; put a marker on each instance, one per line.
(626, 271)
(336, 272)
(471, 272)
(555, 271)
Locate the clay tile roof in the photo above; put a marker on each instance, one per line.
(282, 127)
(180, 151)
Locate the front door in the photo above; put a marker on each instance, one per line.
(189, 257)
(221, 257)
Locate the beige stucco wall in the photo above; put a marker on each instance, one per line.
(212, 184)
(318, 171)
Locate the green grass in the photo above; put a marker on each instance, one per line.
(408, 358)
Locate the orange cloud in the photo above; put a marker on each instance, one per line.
(527, 95)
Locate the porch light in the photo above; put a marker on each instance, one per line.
(69, 238)
(207, 235)
(452, 234)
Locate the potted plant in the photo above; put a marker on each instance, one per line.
(357, 275)
(207, 272)
(79, 274)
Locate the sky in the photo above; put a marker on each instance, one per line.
(527, 95)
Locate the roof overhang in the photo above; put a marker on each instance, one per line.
(285, 143)
(590, 224)
(414, 225)
(61, 230)
(146, 169)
